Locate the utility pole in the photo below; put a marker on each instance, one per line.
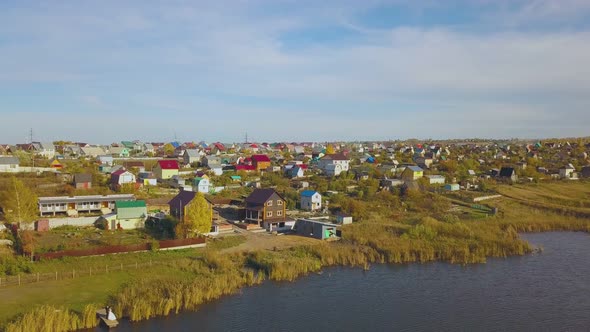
(246, 138)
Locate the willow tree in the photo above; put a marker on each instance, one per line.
(197, 218)
(19, 202)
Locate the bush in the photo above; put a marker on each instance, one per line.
(154, 245)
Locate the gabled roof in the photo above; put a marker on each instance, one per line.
(183, 198)
(260, 158)
(260, 196)
(82, 177)
(506, 172)
(192, 153)
(168, 164)
(308, 193)
(415, 168)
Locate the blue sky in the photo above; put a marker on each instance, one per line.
(293, 70)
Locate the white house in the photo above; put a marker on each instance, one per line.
(44, 149)
(121, 177)
(311, 200)
(191, 156)
(334, 164)
(9, 164)
(567, 171)
(105, 160)
(435, 179)
(201, 185)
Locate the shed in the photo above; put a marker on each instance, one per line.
(315, 229)
(42, 225)
(343, 218)
(452, 187)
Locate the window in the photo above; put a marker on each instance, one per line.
(269, 214)
(279, 213)
(269, 203)
(279, 202)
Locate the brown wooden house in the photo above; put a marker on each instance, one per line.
(265, 206)
(82, 181)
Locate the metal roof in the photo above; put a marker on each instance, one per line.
(74, 199)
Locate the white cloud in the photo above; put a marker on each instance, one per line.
(185, 59)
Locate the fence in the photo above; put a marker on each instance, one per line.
(166, 244)
(19, 280)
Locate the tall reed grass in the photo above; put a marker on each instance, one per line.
(55, 319)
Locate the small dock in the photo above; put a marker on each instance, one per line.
(103, 316)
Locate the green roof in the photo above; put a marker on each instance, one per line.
(129, 204)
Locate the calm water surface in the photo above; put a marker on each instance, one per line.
(549, 291)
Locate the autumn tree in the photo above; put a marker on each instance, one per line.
(197, 218)
(169, 149)
(330, 149)
(19, 202)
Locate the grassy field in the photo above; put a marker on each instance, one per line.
(190, 277)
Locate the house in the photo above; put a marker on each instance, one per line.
(147, 179)
(209, 161)
(295, 172)
(266, 208)
(567, 172)
(412, 173)
(201, 184)
(121, 177)
(105, 160)
(315, 229)
(127, 215)
(508, 173)
(82, 181)
(44, 149)
(452, 187)
(311, 200)
(179, 203)
(191, 156)
(119, 151)
(9, 164)
(93, 151)
(260, 161)
(71, 206)
(390, 183)
(334, 164)
(343, 218)
(435, 179)
(424, 162)
(55, 164)
(165, 169)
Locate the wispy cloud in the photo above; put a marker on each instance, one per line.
(201, 61)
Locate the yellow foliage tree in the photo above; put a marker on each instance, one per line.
(19, 202)
(330, 149)
(197, 218)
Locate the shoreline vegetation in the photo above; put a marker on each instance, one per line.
(188, 281)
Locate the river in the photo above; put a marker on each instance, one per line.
(547, 291)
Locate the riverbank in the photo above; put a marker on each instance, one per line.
(536, 292)
(194, 279)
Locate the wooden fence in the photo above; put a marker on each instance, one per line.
(166, 244)
(24, 279)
